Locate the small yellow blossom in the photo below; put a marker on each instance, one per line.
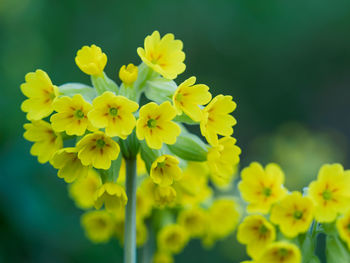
(216, 119)
(343, 227)
(91, 60)
(128, 74)
(162, 257)
(144, 203)
(256, 232)
(165, 169)
(172, 238)
(71, 115)
(115, 113)
(164, 56)
(155, 124)
(262, 188)
(112, 195)
(293, 214)
(98, 225)
(194, 220)
(46, 141)
(189, 96)
(280, 252)
(224, 183)
(98, 150)
(41, 94)
(164, 196)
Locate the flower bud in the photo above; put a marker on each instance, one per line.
(128, 74)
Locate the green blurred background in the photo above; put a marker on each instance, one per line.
(286, 64)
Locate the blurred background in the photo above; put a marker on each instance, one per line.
(286, 64)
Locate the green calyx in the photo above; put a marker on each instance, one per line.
(161, 164)
(113, 111)
(263, 229)
(327, 195)
(100, 143)
(79, 114)
(267, 191)
(283, 252)
(298, 215)
(152, 123)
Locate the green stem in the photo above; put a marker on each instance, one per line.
(130, 213)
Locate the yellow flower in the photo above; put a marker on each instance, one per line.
(331, 192)
(188, 97)
(224, 183)
(256, 232)
(280, 252)
(82, 190)
(216, 119)
(112, 195)
(155, 124)
(71, 115)
(164, 55)
(128, 74)
(293, 214)
(194, 220)
(91, 60)
(98, 150)
(40, 92)
(165, 169)
(343, 227)
(164, 195)
(172, 238)
(262, 188)
(162, 257)
(46, 141)
(98, 225)
(115, 113)
(144, 203)
(223, 158)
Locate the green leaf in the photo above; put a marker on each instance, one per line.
(336, 250)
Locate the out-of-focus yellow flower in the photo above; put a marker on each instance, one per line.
(224, 183)
(343, 227)
(165, 169)
(115, 113)
(71, 115)
(144, 203)
(69, 165)
(91, 60)
(112, 195)
(98, 150)
(98, 226)
(162, 257)
(216, 119)
(189, 96)
(155, 124)
(194, 220)
(83, 190)
(172, 238)
(293, 214)
(280, 252)
(164, 56)
(262, 188)
(46, 140)
(41, 94)
(331, 192)
(128, 74)
(256, 232)
(164, 196)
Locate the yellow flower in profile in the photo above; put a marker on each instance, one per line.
(91, 60)
(280, 252)
(46, 141)
(189, 96)
(294, 214)
(172, 238)
(194, 220)
(343, 227)
(83, 190)
(216, 119)
(71, 115)
(128, 74)
(256, 233)
(331, 192)
(114, 113)
(98, 150)
(162, 257)
(223, 158)
(164, 196)
(69, 165)
(98, 226)
(164, 56)
(155, 124)
(112, 195)
(165, 169)
(41, 94)
(262, 188)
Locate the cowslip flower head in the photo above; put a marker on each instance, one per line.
(256, 232)
(262, 187)
(98, 150)
(330, 192)
(40, 92)
(164, 196)
(128, 74)
(163, 55)
(194, 220)
(71, 115)
(189, 96)
(69, 165)
(172, 238)
(114, 113)
(155, 124)
(165, 169)
(343, 227)
(112, 195)
(91, 60)
(46, 140)
(294, 214)
(98, 226)
(162, 257)
(280, 252)
(216, 119)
